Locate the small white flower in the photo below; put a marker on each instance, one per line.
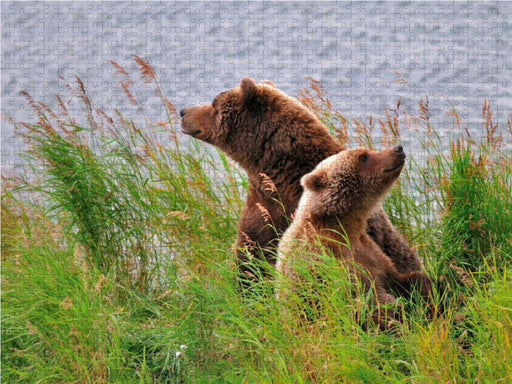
(179, 353)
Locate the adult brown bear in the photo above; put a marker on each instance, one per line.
(276, 140)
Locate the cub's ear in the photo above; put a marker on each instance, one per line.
(315, 180)
(248, 88)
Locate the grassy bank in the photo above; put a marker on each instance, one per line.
(117, 257)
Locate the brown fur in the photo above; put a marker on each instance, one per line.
(273, 136)
(339, 196)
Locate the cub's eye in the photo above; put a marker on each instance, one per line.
(363, 158)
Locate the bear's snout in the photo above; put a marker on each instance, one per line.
(183, 112)
(398, 149)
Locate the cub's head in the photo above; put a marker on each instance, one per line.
(352, 181)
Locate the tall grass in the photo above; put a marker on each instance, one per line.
(117, 256)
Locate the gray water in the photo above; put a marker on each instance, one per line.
(365, 54)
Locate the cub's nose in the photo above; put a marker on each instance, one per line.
(398, 149)
(183, 111)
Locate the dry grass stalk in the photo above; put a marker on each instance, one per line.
(399, 78)
(77, 91)
(264, 213)
(145, 70)
(63, 111)
(109, 121)
(268, 184)
(465, 278)
(248, 242)
(424, 111)
(125, 84)
(38, 110)
(120, 69)
(82, 94)
(391, 121)
(494, 141)
(315, 99)
(179, 214)
(457, 124)
(170, 107)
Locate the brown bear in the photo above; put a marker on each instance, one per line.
(339, 196)
(276, 140)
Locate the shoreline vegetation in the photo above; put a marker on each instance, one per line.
(117, 256)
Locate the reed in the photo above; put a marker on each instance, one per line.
(118, 262)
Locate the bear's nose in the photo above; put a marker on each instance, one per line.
(182, 112)
(398, 149)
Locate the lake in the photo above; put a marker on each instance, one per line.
(365, 54)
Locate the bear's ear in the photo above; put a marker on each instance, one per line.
(248, 88)
(314, 181)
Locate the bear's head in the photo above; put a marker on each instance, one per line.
(351, 182)
(254, 123)
(233, 120)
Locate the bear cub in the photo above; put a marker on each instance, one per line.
(339, 195)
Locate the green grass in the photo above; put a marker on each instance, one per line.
(118, 262)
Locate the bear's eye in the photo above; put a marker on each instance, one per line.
(363, 158)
